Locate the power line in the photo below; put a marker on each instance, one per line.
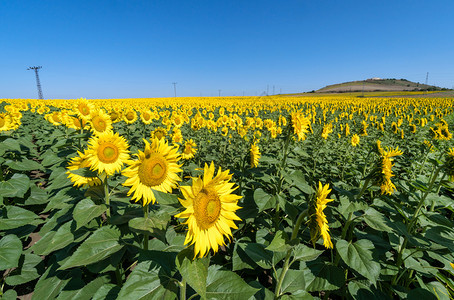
(38, 83)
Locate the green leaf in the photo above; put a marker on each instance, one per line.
(293, 281)
(377, 220)
(17, 186)
(59, 179)
(79, 290)
(24, 165)
(194, 271)
(9, 295)
(37, 196)
(258, 254)
(10, 251)
(227, 285)
(442, 235)
(101, 244)
(51, 283)
(153, 224)
(86, 210)
(305, 253)
(358, 256)
(299, 180)
(9, 145)
(279, 242)
(165, 198)
(26, 271)
(56, 240)
(85, 172)
(12, 217)
(107, 291)
(146, 281)
(264, 200)
(321, 276)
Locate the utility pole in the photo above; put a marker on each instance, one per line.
(175, 88)
(267, 89)
(219, 93)
(38, 83)
(273, 90)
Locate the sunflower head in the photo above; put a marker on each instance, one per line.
(355, 140)
(100, 122)
(80, 162)
(155, 169)
(318, 222)
(210, 207)
(254, 155)
(107, 152)
(189, 149)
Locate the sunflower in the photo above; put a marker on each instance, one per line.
(255, 155)
(100, 122)
(145, 116)
(84, 108)
(301, 125)
(189, 149)
(80, 162)
(5, 122)
(355, 140)
(107, 152)
(159, 133)
(156, 169)
(209, 211)
(449, 164)
(177, 137)
(318, 222)
(130, 116)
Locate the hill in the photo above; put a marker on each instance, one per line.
(378, 85)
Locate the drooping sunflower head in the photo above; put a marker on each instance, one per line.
(107, 152)
(156, 169)
(190, 149)
(318, 222)
(449, 164)
(210, 207)
(100, 122)
(355, 140)
(301, 125)
(254, 155)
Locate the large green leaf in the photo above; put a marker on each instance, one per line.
(107, 291)
(358, 256)
(16, 186)
(155, 223)
(147, 281)
(322, 276)
(294, 281)
(264, 200)
(86, 210)
(258, 254)
(24, 165)
(377, 220)
(56, 240)
(12, 217)
(52, 282)
(27, 270)
(194, 271)
(9, 144)
(101, 244)
(37, 196)
(10, 251)
(223, 284)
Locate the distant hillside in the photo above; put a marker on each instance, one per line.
(378, 84)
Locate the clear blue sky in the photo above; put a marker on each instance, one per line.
(131, 48)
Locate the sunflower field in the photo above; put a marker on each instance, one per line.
(227, 198)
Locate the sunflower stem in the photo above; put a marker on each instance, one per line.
(145, 236)
(286, 266)
(183, 290)
(413, 220)
(106, 198)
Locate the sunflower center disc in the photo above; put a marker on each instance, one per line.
(130, 116)
(153, 170)
(108, 153)
(2, 122)
(207, 208)
(84, 110)
(187, 149)
(99, 124)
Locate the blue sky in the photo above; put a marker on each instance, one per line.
(131, 49)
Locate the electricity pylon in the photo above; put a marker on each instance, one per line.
(38, 84)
